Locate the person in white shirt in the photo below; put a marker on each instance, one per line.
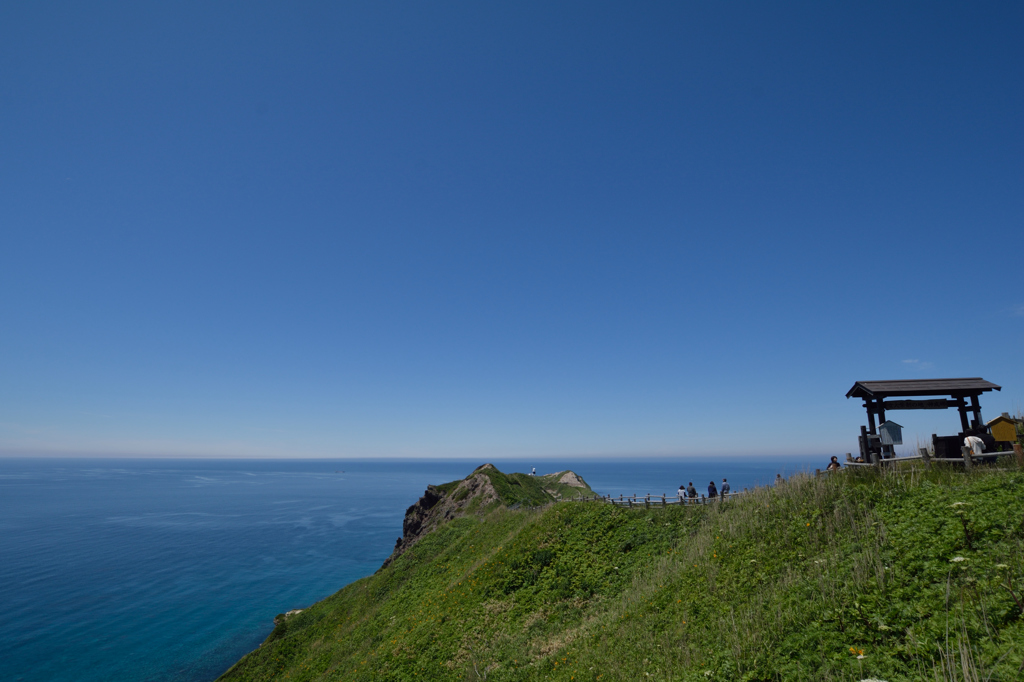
(976, 445)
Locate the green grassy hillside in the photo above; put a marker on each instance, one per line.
(909, 575)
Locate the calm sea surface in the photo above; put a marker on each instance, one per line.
(170, 570)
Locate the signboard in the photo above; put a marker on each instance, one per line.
(939, 404)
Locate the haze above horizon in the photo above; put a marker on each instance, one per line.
(466, 230)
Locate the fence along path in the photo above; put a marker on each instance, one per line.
(653, 500)
(666, 500)
(967, 459)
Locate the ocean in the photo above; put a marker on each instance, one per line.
(146, 570)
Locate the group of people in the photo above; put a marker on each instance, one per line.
(688, 491)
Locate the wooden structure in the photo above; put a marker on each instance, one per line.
(891, 433)
(942, 394)
(1003, 428)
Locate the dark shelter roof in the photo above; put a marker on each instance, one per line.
(920, 387)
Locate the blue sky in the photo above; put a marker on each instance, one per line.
(492, 230)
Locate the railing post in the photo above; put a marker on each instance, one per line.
(926, 457)
(968, 463)
(1019, 452)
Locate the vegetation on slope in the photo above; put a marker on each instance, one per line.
(906, 575)
(482, 491)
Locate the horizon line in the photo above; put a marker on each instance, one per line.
(484, 458)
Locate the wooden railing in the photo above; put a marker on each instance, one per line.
(665, 500)
(967, 459)
(654, 500)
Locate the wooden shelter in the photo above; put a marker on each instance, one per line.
(942, 394)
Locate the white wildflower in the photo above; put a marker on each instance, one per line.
(957, 559)
(957, 504)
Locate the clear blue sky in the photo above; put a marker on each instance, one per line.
(491, 230)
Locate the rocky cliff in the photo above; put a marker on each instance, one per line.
(479, 492)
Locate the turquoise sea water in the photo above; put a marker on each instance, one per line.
(170, 570)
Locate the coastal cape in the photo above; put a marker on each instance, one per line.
(895, 575)
(482, 491)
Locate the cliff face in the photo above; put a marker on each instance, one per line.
(441, 504)
(479, 492)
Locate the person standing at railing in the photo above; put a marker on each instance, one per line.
(725, 488)
(712, 490)
(691, 492)
(833, 465)
(681, 493)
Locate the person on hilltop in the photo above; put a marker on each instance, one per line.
(691, 492)
(833, 465)
(725, 488)
(681, 493)
(778, 479)
(712, 491)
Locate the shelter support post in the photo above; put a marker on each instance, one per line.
(976, 409)
(961, 406)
